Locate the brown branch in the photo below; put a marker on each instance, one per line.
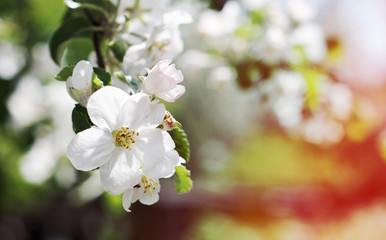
(96, 39)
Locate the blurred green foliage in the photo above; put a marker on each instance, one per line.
(24, 23)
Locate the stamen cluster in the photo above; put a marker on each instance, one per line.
(124, 137)
(149, 184)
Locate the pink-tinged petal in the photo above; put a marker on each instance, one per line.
(139, 112)
(162, 78)
(155, 148)
(163, 64)
(173, 94)
(157, 82)
(122, 172)
(171, 70)
(90, 148)
(104, 106)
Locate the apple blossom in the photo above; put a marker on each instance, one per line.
(79, 85)
(162, 81)
(160, 41)
(125, 143)
(164, 43)
(146, 191)
(134, 9)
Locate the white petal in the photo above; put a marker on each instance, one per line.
(90, 148)
(176, 16)
(155, 148)
(134, 61)
(148, 199)
(138, 192)
(122, 172)
(126, 199)
(138, 113)
(72, 4)
(131, 196)
(81, 75)
(173, 94)
(178, 76)
(104, 106)
(164, 168)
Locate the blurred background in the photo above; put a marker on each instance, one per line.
(284, 109)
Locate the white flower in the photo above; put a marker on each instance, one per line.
(162, 81)
(163, 41)
(125, 143)
(79, 85)
(301, 10)
(312, 39)
(217, 24)
(138, 10)
(146, 192)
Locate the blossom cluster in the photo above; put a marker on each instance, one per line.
(122, 128)
(279, 50)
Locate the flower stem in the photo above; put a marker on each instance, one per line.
(96, 39)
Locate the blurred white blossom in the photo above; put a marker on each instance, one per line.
(12, 59)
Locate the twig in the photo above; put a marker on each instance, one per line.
(96, 40)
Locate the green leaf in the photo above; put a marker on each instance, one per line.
(102, 75)
(119, 48)
(182, 181)
(70, 28)
(257, 17)
(65, 73)
(77, 49)
(182, 144)
(80, 119)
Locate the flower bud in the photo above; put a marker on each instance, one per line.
(162, 81)
(79, 85)
(169, 122)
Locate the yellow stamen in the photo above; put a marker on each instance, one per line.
(124, 137)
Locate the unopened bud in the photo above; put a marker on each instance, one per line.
(79, 85)
(170, 122)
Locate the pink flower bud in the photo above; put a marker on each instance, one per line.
(162, 81)
(168, 122)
